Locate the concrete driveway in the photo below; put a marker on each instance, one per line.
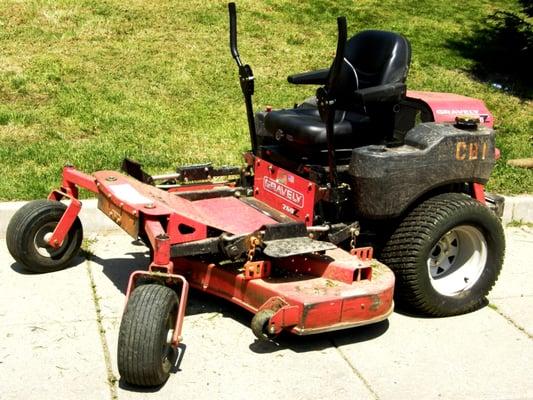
(59, 335)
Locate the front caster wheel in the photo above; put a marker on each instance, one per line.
(28, 232)
(260, 325)
(446, 255)
(145, 353)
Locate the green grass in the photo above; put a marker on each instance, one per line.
(89, 82)
(518, 224)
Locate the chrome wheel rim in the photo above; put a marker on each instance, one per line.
(457, 260)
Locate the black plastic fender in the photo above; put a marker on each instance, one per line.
(386, 180)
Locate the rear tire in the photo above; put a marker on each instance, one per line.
(446, 254)
(27, 232)
(144, 351)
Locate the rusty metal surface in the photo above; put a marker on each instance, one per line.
(342, 325)
(266, 209)
(121, 217)
(335, 264)
(318, 301)
(227, 214)
(363, 253)
(294, 246)
(256, 269)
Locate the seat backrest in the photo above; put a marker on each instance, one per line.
(374, 58)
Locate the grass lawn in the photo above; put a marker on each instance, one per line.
(89, 82)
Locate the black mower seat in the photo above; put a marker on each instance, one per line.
(373, 82)
(303, 126)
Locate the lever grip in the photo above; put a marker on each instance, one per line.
(335, 70)
(233, 32)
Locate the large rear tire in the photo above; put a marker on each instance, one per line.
(144, 351)
(28, 232)
(446, 254)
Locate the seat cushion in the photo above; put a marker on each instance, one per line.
(304, 127)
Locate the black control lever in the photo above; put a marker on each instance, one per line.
(246, 76)
(233, 33)
(327, 98)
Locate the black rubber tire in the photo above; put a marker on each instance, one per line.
(259, 325)
(29, 225)
(144, 356)
(408, 248)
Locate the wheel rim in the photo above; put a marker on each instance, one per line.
(167, 351)
(40, 241)
(457, 260)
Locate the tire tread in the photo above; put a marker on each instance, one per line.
(20, 227)
(139, 355)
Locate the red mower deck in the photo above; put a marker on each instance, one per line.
(313, 292)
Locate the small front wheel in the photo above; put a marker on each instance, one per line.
(29, 230)
(260, 325)
(145, 352)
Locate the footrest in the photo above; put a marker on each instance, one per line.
(294, 246)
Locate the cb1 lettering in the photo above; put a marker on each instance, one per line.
(470, 151)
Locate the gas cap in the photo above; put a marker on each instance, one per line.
(467, 122)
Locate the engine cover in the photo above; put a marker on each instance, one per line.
(386, 180)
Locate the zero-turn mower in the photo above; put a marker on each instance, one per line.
(363, 169)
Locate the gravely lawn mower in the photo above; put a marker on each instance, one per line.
(288, 236)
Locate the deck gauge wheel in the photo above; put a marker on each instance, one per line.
(28, 233)
(145, 352)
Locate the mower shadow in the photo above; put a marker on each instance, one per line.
(406, 312)
(118, 270)
(320, 341)
(20, 269)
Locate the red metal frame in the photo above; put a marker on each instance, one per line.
(72, 178)
(479, 192)
(65, 223)
(285, 191)
(319, 293)
(446, 106)
(160, 242)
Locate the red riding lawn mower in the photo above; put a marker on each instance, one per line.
(363, 166)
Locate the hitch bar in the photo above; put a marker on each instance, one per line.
(277, 235)
(195, 172)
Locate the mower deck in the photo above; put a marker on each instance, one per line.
(316, 292)
(310, 293)
(227, 214)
